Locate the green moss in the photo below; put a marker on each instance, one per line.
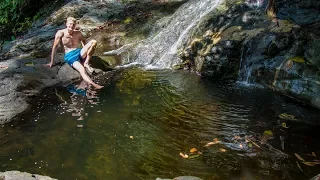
(134, 80)
(111, 60)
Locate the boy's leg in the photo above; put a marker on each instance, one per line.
(78, 66)
(87, 52)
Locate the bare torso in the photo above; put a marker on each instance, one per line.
(70, 41)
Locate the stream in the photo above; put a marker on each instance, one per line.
(144, 124)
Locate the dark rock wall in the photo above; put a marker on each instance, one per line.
(280, 52)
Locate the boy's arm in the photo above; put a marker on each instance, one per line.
(57, 41)
(82, 39)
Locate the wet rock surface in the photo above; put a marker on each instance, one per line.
(244, 43)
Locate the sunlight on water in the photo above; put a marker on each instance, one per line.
(149, 124)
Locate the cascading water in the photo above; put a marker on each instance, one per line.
(160, 51)
(244, 71)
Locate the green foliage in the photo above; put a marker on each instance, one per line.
(10, 10)
(22, 26)
(17, 16)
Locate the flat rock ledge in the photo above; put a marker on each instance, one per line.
(17, 175)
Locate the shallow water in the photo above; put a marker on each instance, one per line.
(136, 127)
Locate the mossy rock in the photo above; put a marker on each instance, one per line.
(39, 54)
(111, 60)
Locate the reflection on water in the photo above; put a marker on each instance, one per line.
(137, 127)
(82, 95)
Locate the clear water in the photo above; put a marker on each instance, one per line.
(136, 127)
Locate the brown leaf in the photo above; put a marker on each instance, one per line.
(215, 141)
(222, 150)
(183, 155)
(193, 150)
(310, 163)
(209, 144)
(299, 157)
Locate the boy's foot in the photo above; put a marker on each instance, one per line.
(97, 86)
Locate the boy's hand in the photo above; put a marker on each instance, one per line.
(49, 65)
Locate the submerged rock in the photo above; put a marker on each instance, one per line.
(17, 175)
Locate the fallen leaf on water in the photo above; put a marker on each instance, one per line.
(299, 157)
(297, 59)
(215, 141)
(310, 163)
(209, 144)
(240, 146)
(237, 137)
(313, 154)
(131, 137)
(222, 150)
(29, 64)
(193, 156)
(249, 140)
(193, 150)
(266, 136)
(183, 155)
(286, 116)
(284, 125)
(268, 132)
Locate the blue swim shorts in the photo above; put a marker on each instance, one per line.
(73, 56)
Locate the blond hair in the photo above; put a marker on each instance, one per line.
(72, 19)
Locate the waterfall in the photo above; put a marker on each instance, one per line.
(160, 51)
(244, 70)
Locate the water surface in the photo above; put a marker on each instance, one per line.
(137, 126)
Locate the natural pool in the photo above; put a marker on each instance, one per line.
(142, 124)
